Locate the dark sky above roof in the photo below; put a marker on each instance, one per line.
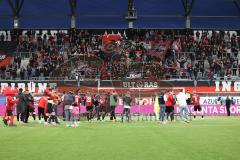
(110, 14)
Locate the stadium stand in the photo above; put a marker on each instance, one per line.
(207, 51)
(154, 52)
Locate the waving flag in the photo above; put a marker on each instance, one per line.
(159, 50)
(177, 46)
(110, 42)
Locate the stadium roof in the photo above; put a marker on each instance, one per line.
(110, 14)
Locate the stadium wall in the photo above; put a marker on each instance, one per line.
(145, 90)
(204, 86)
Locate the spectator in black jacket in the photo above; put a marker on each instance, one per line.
(228, 103)
(21, 106)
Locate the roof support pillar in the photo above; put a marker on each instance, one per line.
(73, 7)
(188, 5)
(16, 6)
(131, 14)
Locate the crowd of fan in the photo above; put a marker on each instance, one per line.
(190, 56)
(46, 52)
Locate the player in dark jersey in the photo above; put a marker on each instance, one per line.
(103, 98)
(89, 105)
(96, 105)
(162, 106)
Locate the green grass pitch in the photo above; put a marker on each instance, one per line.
(211, 138)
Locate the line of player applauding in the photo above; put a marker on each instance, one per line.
(97, 105)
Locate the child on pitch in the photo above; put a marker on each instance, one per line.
(74, 115)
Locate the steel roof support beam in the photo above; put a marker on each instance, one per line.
(16, 6)
(188, 5)
(130, 5)
(131, 14)
(73, 8)
(237, 4)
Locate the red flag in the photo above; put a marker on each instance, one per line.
(110, 42)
